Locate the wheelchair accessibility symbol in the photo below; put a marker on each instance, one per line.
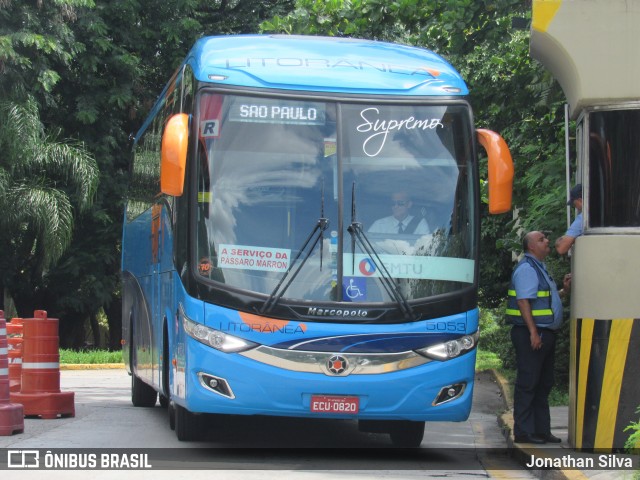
(355, 289)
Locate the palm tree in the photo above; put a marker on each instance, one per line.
(43, 183)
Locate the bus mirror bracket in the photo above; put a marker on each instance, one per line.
(174, 155)
(500, 170)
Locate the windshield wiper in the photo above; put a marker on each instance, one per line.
(358, 236)
(318, 231)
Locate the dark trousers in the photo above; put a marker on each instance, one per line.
(534, 380)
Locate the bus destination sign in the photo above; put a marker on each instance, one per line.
(264, 110)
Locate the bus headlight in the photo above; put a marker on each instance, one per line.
(215, 338)
(451, 349)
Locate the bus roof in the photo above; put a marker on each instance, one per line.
(317, 64)
(323, 64)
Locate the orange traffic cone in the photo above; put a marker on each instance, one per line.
(11, 414)
(14, 342)
(40, 382)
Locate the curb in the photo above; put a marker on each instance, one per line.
(505, 389)
(91, 366)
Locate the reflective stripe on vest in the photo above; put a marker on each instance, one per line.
(535, 313)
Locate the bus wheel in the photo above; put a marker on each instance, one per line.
(407, 434)
(164, 392)
(171, 411)
(188, 425)
(142, 395)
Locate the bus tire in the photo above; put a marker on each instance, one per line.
(188, 426)
(163, 396)
(407, 434)
(171, 412)
(142, 395)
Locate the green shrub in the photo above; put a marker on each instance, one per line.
(89, 356)
(495, 336)
(633, 442)
(487, 360)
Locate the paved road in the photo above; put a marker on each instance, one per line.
(250, 447)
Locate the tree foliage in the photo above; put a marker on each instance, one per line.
(41, 180)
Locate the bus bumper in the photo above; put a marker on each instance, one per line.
(248, 387)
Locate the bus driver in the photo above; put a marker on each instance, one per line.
(400, 221)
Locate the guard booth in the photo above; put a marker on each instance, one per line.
(591, 47)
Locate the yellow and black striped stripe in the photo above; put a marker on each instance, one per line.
(606, 386)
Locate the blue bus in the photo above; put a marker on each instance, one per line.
(301, 236)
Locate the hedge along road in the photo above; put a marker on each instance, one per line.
(253, 447)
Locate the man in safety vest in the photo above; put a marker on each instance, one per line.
(534, 307)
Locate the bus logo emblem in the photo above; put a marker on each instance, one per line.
(367, 267)
(337, 364)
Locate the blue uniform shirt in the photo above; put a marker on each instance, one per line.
(525, 281)
(575, 229)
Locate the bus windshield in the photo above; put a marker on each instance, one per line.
(331, 201)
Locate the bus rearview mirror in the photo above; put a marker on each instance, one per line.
(500, 170)
(174, 155)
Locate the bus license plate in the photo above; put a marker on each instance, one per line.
(332, 404)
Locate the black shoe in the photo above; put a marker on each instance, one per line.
(529, 439)
(551, 438)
